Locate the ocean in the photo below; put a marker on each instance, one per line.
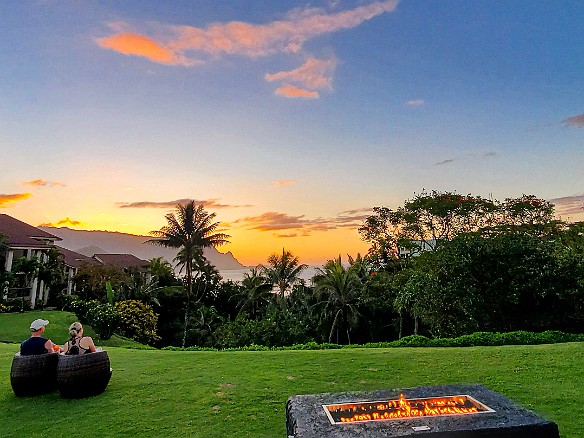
(237, 274)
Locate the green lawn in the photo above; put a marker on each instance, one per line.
(243, 394)
(15, 327)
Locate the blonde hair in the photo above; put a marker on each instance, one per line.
(74, 329)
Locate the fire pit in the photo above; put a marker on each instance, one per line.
(464, 411)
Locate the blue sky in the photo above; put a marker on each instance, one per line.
(290, 120)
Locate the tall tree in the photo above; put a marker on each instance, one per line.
(429, 219)
(256, 293)
(338, 288)
(283, 271)
(189, 229)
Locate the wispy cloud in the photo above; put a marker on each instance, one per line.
(577, 121)
(569, 205)
(441, 163)
(209, 203)
(284, 182)
(286, 236)
(295, 92)
(355, 211)
(415, 102)
(67, 222)
(314, 74)
(472, 156)
(5, 200)
(275, 221)
(43, 183)
(189, 45)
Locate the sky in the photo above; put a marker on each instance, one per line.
(289, 120)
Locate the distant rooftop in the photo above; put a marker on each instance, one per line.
(23, 235)
(121, 260)
(74, 259)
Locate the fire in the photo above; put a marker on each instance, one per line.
(404, 408)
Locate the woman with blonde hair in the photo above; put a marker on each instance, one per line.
(78, 344)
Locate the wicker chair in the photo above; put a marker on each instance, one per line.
(34, 375)
(83, 375)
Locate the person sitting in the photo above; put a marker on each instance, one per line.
(37, 344)
(78, 344)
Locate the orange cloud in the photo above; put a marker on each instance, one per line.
(240, 38)
(139, 45)
(9, 199)
(63, 222)
(568, 205)
(283, 182)
(286, 35)
(577, 121)
(209, 203)
(295, 92)
(314, 73)
(274, 221)
(43, 183)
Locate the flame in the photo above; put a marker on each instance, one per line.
(405, 408)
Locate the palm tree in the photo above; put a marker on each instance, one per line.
(159, 267)
(338, 288)
(256, 292)
(190, 229)
(283, 271)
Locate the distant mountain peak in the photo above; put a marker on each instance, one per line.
(114, 242)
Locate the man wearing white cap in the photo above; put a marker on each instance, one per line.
(36, 344)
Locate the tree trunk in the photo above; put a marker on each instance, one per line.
(189, 293)
(184, 339)
(416, 325)
(401, 324)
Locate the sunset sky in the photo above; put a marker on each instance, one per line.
(289, 120)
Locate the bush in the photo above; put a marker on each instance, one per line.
(64, 301)
(4, 309)
(18, 305)
(137, 320)
(82, 308)
(413, 341)
(103, 318)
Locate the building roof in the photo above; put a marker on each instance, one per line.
(23, 235)
(74, 259)
(121, 260)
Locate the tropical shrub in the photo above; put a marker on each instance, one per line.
(137, 320)
(64, 301)
(103, 318)
(17, 304)
(82, 308)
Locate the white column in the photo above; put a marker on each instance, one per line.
(70, 281)
(9, 259)
(33, 292)
(42, 291)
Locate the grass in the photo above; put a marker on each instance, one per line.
(14, 327)
(243, 394)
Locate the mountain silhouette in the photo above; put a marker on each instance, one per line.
(96, 242)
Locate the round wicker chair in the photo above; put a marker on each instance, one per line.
(83, 375)
(34, 375)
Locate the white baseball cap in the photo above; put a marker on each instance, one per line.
(37, 324)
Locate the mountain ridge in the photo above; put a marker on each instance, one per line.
(115, 242)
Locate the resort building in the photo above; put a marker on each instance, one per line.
(20, 241)
(24, 240)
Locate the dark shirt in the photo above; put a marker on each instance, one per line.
(33, 345)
